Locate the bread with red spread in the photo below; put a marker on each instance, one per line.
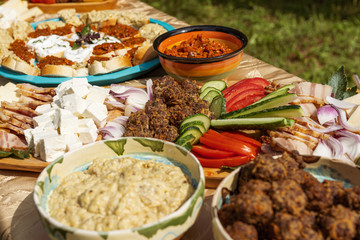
(16, 64)
(98, 67)
(63, 71)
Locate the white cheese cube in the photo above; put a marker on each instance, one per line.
(37, 136)
(61, 113)
(86, 123)
(68, 124)
(43, 108)
(72, 141)
(87, 135)
(98, 112)
(28, 133)
(42, 120)
(56, 103)
(52, 147)
(74, 104)
(80, 90)
(62, 88)
(98, 94)
(51, 113)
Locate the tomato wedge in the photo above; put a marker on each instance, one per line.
(245, 102)
(207, 152)
(219, 162)
(258, 81)
(239, 89)
(243, 95)
(215, 140)
(242, 137)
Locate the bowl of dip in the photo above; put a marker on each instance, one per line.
(127, 188)
(202, 52)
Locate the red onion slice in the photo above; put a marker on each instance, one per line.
(344, 123)
(326, 114)
(336, 147)
(149, 84)
(340, 104)
(322, 150)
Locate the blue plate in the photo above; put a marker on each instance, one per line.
(105, 79)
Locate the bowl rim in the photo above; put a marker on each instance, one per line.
(210, 28)
(44, 214)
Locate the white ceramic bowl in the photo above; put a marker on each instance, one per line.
(322, 169)
(169, 227)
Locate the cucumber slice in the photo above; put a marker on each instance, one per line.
(280, 91)
(287, 111)
(218, 106)
(197, 117)
(198, 124)
(251, 123)
(208, 89)
(218, 84)
(184, 140)
(211, 95)
(4, 154)
(192, 130)
(258, 106)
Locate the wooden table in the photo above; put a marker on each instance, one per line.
(18, 217)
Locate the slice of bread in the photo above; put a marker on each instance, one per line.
(63, 71)
(144, 53)
(20, 29)
(151, 31)
(111, 65)
(18, 65)
(102, 18)
(133, 19)
(69, 16)
(50, 24)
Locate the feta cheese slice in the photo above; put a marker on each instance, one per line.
(87, 135)
(52, 147)
(98, 94)
(97, 112)
(68, 124)
(74, 103)
(37, 136)
(43, 108)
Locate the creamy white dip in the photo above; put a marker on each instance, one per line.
(54, 44)
(119, 193)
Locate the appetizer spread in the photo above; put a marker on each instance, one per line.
(92, 43)
(119, 193)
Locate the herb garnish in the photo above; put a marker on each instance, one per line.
(85, 36)
(339, 82)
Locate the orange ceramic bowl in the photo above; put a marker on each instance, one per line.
(201, 69)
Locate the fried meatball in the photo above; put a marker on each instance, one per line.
(287, 226)
(288, 195)
(352, 198)
(319, 199)
(268, 169)
(255, 184)
(240, 231)
(178, 113)
(254, 208)
(227, 214)
(190, 86)
(169, 133)
(336, 190)
(339, 222)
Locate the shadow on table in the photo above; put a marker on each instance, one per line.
(26, 223)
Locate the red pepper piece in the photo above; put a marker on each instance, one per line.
(258, 81)
(215, 140)
(239, 89)
(243, 95)
(246, 102)
(242, 137)
(207, 152)
(219, 162)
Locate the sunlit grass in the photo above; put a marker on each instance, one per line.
(308, 39)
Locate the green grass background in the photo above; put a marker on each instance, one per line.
(308, 38)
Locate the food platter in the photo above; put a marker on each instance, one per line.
(105, 79)
(79, 6)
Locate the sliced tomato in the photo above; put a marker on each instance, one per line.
(243, 95)
(219, 162)
(239, 89)
(258, 81)
(245, 102)
(242, 137)
(215, 140)
(207, 152)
